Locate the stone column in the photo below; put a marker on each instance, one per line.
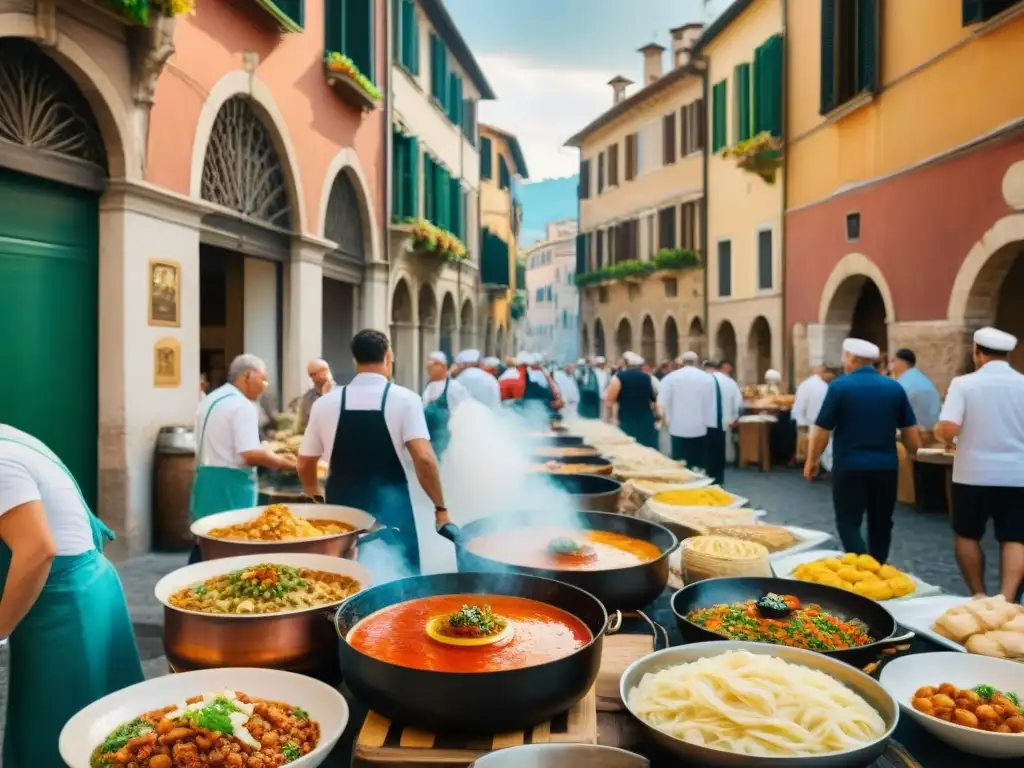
(303, 314)
(374, 295)
(403, 344)
(825, 344)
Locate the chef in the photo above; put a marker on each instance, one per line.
(862, 412)
(924, 397)
(772, 382)
(320, 374)
(984, 413)
(540, 387)
(728, 402)
(63, 608)
(565, 380)
(480, 384)
(442, 395)
(228, 448)
(634, 393)
(687, 398)
(809, 397)
(589, 387)
(363, 431)
(492, 365)
(600, 366)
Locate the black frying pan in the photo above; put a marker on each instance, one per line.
(846, 605)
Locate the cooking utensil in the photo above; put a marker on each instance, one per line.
(593, 492)
(365, 530)
(561, 756)
(692, 754)
(87, 729)
(297, 641)
(485, 702)
(848, 605)
(632, 587)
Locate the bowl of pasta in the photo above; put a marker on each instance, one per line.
(732, 703)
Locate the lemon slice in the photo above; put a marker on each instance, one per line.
(434, 632)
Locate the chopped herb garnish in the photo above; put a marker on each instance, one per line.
(986, 692)
(473, 621)
(291, 752)
(125, 733)
(214, 716)
(300, 713)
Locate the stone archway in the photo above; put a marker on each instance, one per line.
(403, 334)
(623, 336)
(599, 344)
(841, 302)
(345, 226)
(466, 327)
(696, 336)
(725, 342)
(449, 327)
(648, 341)
(759, 349)
(671, 339)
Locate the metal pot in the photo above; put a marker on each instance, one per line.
(599, 465)
(365, 529)
(562, 441)
(593, 492)
(561, 756)
(485, 702)
(297, 641)
(848, 605)
(629, 588)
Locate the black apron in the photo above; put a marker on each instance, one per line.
(367, 474)
(636, 394)
(590, 395)
(716, 440)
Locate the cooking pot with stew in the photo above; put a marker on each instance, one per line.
(591, 492)
(472, 652)
(622, 561)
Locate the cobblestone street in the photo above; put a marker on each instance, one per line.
(922, 544)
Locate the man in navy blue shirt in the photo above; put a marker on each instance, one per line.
(863, 410)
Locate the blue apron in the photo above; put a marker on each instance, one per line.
(438, 415)
(636, 395)
(74, 646)
(366, 473)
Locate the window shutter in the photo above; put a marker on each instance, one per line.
(867, 45)
(584, 181)
(600, 173)
(743, 120)
(702, 125)
(828, 56)
(977, 11)
(486, 158)
(357, 27)
(719, 112)
(334, 27)
(455, 196)
(398, 25)
(725, 268)
(413, 161)
(399, 169)
(429, 203)
(414, 47)
(765, 262)
(581, 254)
(669, 139)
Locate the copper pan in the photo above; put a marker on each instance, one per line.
(365, 528)
(298, 641)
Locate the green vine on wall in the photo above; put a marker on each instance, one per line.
(665, 259)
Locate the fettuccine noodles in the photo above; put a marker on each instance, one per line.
(755, 705)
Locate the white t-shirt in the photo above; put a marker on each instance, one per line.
(482, 386)
(567, 387)
(988, 406)
(809, 397)
(26, 476)
(232, 429)
(687, 397)
(403, 413)
(732, 398)
(457, 394)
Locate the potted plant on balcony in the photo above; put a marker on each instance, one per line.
(760, 154)
(517, 306)
(145, 12)
(351, 84)
(429, 238)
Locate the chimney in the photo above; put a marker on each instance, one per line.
(618, 84)
(683, 39)
(652, 62)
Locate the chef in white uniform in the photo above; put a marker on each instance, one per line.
(772, 381)
(604, 376)
(437, 371)
(565, 380)
(523, 358)
(687, 397)
(809, 397)
(479, 383)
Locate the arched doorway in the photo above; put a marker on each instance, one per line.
(343, 274)
(623, 337)
(402, 339)
(671, 338)
(449, 326)
(466, 326)
(759, 349)
(584, 342)
(49, 257)
(696, 336)
(857, 309)
(427, 318)
(997, 296)
(725, 342)
(240, 288)
(599, 350)
(648, 342)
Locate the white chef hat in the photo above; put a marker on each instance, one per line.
(994, 339)
(523, 358)
(690, 357)
(772, 375)
(632, 358)
(492, 362)
(581, 361)
(438, 357)
(599, 360)
(468, 356)
(865, 350)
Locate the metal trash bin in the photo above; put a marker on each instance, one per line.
(173, 471)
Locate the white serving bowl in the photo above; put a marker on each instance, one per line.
(87, 729)
(902, 676)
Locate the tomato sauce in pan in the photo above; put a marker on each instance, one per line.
(541, 633)
(528, 548)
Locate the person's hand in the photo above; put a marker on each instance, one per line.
(810, 469)
(286, 462)
(441, 518)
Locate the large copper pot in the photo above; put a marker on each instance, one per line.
(297, 641)
(364, 527)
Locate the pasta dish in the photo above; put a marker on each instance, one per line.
(750, 704)
(265, 588)
(278, 523)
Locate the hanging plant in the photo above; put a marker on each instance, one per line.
(429, 238)
(517, 306)
(141, 11)
(342, 64)
(665, 259)
(760, 155)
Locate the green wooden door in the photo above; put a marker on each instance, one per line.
(49, 274)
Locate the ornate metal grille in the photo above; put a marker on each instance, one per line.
(242, 170)
(41, 107)
(344, 218)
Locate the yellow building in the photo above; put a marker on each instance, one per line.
(502, 167)
(743, 51)
(638, 263)
(905, 177)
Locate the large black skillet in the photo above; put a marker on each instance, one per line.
(846, 605)
(488, 702)
(626, 589)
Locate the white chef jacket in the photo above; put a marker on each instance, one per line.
(988, 405)
(232, 429)
(510, 373)
(732, 398)
(403, 414)
(483, 387)
(687, 398)
(457, 394)
(809, 397)
(26, 476)
(604, 378)
(567, 387)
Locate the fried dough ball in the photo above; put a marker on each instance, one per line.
(965, 717)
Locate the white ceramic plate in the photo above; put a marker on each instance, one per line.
(87, 730)
(920, 614)
(784, 567)
(904, 675)
(809, 539)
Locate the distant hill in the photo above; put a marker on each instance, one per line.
(544, 201)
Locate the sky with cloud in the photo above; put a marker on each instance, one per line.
(549, 62)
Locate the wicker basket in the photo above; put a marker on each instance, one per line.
(709, 557)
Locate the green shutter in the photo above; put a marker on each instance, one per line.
(867, 45)
(828, 56)
(399, 168)
(441, 197)
(977, 11)
(768, 81)
(357, 27)
(743, 120)
(290, 13)
(410, 55)
(397, 26)
(413, 195)
(486, 158)
(439, 71)
(455, 196)
(429, 212)
(719, 114)
(454, 110)
(334, 26)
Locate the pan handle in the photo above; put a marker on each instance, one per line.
(376, 532)
(889, 647)
(659, 632)
(614, 623)
(452, 532)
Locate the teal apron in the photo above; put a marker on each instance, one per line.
(590, 395)
(74, 646)
(438, 415)
(367, 474)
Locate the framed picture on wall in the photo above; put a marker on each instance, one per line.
(164, 293)
(167, 363)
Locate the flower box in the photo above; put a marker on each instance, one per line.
(349, 83)
(427, 238)
(760, 155)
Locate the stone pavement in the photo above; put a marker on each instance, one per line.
(922, 544)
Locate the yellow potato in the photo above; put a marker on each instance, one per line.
(830, 579)
(869, 576)
(888, 572)
(832, 563)
(847, 585)
(868, 563)
(875, 590)
(901, 585)
(851, 574)
(849, 558)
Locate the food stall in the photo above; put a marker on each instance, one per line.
(765, 433)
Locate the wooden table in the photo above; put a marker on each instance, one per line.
(755, 444)
(945, 460)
